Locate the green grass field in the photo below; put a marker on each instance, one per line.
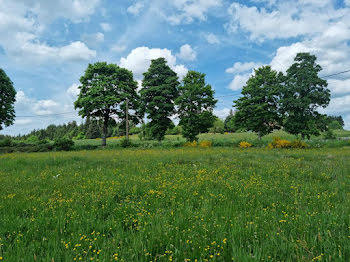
(186, 204)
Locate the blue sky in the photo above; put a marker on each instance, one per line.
(45, 46)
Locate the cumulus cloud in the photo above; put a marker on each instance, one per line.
(23, 22)
(139, 60)
(211, 38)
(286, 19)
(187, 53)
(222, 113)
(136, 8)
(242, 71)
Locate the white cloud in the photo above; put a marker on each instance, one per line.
(211, 38)
(239, 81)
(242, 67)
(73, 91)
(187, 53)
(139, 60)
(93, 39)
(118, 48)
(106, 27)
(286, 19)
(24, 21)
(222, 113)
(186, 11)
(136, 8)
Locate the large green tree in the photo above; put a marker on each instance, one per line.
(104, 90)
(257, 109)
(303, 93)
(195, 105)
(158, 93)
(7, 100)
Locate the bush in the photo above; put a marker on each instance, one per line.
(6, 142)
(280, 143)
(299, 144)
(329, 135)
(190, 144)
(63, 144)
(125, 143)
(205, 144)
(245, 144)
(32, 140)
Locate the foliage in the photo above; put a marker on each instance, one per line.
(176, 130)
(32, 139)
(338, 119)
(191, 144)
(205, 143)
(303, 93)
(245, 144)
(280, 143)
(299, 144)
(218, 127)
(158, 93)
(229, 122)
(335, 125)
(329, 134)
(195, 105)
(6, 142)
(7, 100)
(63, 144)
(257, 109)
(126, 143)
(104, 91)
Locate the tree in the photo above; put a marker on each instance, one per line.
(229, 122)
(160, 89)
(104, 90)
(338, 119)
(257, 109)
(195, 105)
(218, 126)
(303, 93)
(7, 100)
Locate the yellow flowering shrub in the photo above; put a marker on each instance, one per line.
(191, 144)
(244, 144)
(280, 143)
(205, 144)
(299, 144)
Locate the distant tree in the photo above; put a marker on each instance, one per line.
(303, 93)
(104, 91)
(257, 109)
(229, 122)
(158, 93)
(334, 125)
(195, 105)
(338, 119)
(218, 127)
(7, 100)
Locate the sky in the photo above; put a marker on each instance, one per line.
(45, 46)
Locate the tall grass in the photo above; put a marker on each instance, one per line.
(188, 204)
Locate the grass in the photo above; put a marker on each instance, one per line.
(186, 204)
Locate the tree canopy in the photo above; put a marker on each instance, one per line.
(303, 93)
(7, 100)
(158, 93)
(257, 109)
(104, 90)
(195, 105)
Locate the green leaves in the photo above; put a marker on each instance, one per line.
(257, 109)
(7, 100)
(195, 105)
(104, 90)
(302, 94)
(160, 89)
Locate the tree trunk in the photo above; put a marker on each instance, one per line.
(104, 132)
(259, 135)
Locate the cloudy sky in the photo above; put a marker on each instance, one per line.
(45, 46)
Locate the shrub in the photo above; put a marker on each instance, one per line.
(205, 144)
(63, 144)
(191, 144)
(299, 144)
(329, 135)
(32, 139)
(244, 144)
(6, 142)
(125, 143)
(280, 143)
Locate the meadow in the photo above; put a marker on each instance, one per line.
(184, 204)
